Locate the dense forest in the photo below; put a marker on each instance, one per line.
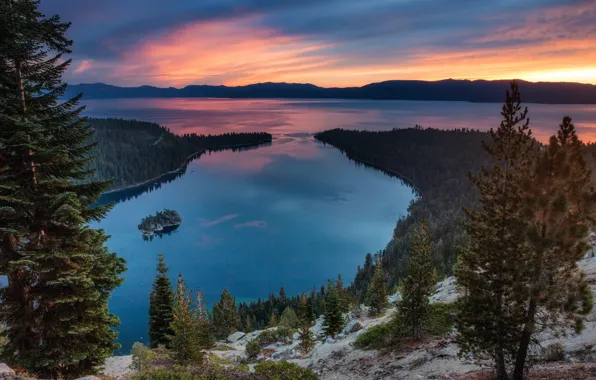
(436, 162)
(131, 151)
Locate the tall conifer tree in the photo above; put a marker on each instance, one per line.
(489, 266)
(333, 322)
(186, 340)
(377, 290)
(418, 285)
(226, 319)
(60, 275)
(560, 204)
(306, 338)
(161, 301)
(205, 325)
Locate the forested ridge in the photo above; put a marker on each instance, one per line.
(436, 162)
(131, 151)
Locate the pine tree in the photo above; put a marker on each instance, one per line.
(488, 269)
(250, 327)
(60, 275)
(225, 315)
(561, 202)
(304, 318)
(161, 302)
(185, 343)
(377, 290)
(342, 294)
(333, 322)
(205, 325)
(418, 285)
(272, 320)
(289, 319)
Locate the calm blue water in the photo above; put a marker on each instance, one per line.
(293, 213)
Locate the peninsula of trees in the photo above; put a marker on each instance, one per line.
(130, 152)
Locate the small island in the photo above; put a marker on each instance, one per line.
(163, 221)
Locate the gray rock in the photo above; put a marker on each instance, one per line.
(6, 370)
(329, 340)
(235, 337)
(352, 327)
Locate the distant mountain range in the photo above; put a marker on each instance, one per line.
(446, 90)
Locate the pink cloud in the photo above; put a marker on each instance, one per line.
(214, 222)
(253, 223)
(84, 66)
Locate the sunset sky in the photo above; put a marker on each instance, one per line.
(327, 42)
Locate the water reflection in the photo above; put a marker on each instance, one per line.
(287, 117)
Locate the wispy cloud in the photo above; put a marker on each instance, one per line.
(214, 222)
(253, 224)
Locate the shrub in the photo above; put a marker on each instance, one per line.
(284, 371)
(163, 374)
(142, 357)
(252, 349)
(554, 352)
(440, 319)
(268, 337)
(376, 337)
(285, 334)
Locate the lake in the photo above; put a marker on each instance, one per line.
(293, 213)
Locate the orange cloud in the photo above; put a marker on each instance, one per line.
(544, 46)
(224, 51)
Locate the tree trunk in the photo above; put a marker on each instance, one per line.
(500, 364)
(522, 353)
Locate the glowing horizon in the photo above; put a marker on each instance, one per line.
(339, 44)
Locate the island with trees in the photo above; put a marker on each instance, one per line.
(162, 222)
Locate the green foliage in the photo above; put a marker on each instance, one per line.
(436, 163)
(554, 352)
(272, 320)
(164, 374)
(377, 291)
(334, 321)
(225, 315)
(205, 325)
(132, 152)
(252, 349)
(161, 302)
(249, 325)
(490, 316)
(289, 319)
(441, 318)
(186, 325)
(60, 274)
(142, 357)
(418, 285)
(307, 341)
(268, 337)
(376, 337)
(284, 371)
(285, 334)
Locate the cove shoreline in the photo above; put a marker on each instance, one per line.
(188, 160)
